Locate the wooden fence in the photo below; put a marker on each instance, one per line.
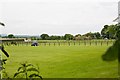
(61, 43)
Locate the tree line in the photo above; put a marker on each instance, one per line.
(107, 32)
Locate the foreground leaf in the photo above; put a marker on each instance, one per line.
(18, 73)
(112, 52)
(35, 75)
(32, 69)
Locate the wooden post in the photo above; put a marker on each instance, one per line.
(45, 44)
(74, 43)
(49, 43)
(107, 43)
(79, 42)
(96, 43)
(59, 43)
(101, 43)
(85, 43)
(69, 43)
(90, 43)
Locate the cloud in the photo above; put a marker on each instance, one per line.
(57, 16)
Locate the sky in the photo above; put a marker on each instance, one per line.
(56, 17)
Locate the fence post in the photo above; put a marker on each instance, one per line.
(107, 43)
(90, 43)
(45, 44)
(69, 43)
(85, 43)
(74, 43)
(39, 43)
(64, 43)
(96, 42)
(59, 43)
(49, 43)
(79, 42)
(101, 43)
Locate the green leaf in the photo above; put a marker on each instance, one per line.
(23, 64)
(32, 69)
(19, 68)
(112, 52)
(3, 61)
(35, 75)
(29, 65)
(17, 73)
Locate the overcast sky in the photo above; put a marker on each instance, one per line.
(56, 17)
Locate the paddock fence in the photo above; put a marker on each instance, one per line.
(61, 43)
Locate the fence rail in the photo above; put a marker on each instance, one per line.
(60, 43)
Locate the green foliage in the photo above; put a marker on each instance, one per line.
(109, 31)
(3, 69)
(68, 37)
(25, 68)
(55, 37)
(11, 36)
(5, 74)
(112, 52)
(44, 36)
(2, 62)
(35, 75)
(95, 35)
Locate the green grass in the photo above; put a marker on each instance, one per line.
(77, 61)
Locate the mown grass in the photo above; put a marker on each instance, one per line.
(77, 61)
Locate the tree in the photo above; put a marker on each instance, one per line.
(68, 37)
(11, 36)
(109, 31)
(89, 35)
(44, 36)
(78, 37)
(104, 32)
(55, 37)
(112, 31)
(97, 35)
(113, 52)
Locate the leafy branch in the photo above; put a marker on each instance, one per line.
(25, 68)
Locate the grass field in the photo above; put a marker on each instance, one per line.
(77, 61)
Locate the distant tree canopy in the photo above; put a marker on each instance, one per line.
(109, 31)
(55, 37)
(44, 36)
(86, 36)
(95, 35)
(68, 37)
(11, 36)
